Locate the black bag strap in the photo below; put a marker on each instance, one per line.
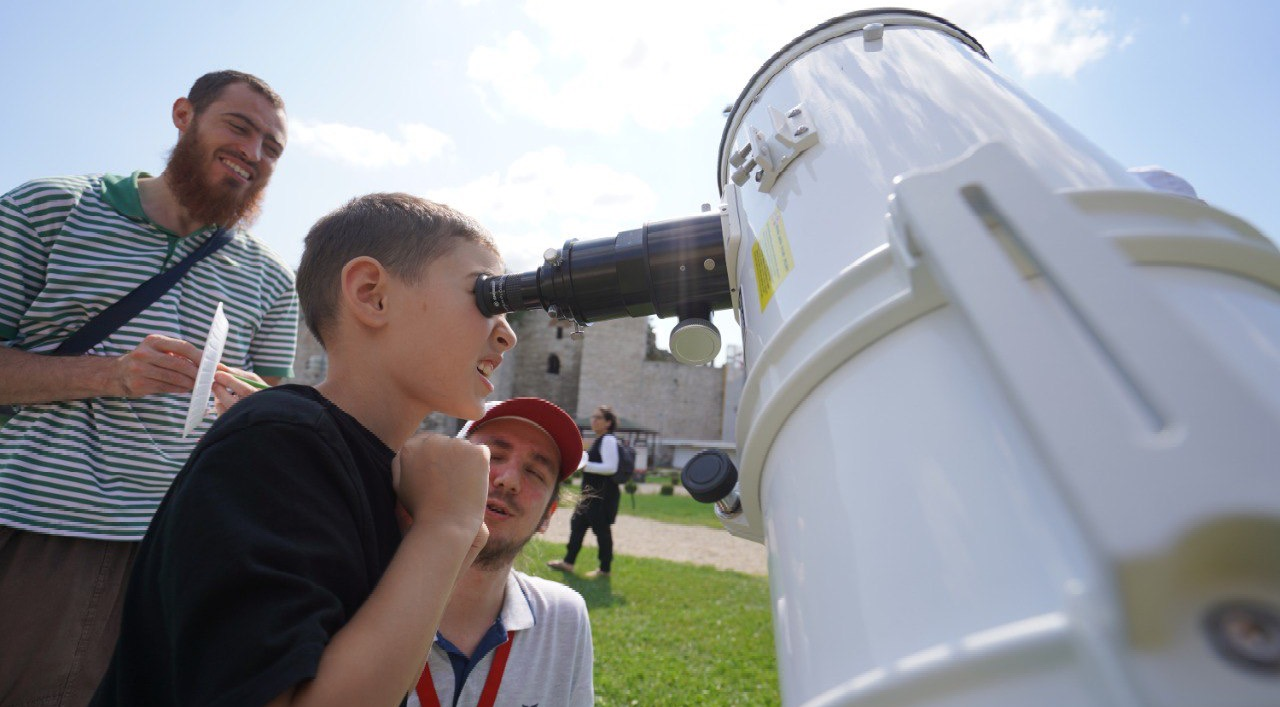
(129, 306)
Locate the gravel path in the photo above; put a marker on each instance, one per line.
(641, 537)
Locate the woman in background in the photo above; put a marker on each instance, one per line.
(598, 507)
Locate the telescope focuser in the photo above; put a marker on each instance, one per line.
(668, 268)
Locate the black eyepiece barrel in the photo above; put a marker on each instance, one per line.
(513, 292)
(667, 268)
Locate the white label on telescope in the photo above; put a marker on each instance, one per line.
(771, 258)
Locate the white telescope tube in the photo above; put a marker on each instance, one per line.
(1011, 426)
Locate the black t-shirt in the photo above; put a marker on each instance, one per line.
(269, 540)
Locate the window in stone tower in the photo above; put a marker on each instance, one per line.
(553, 364)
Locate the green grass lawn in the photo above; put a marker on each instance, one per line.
(666, 633)
(668, 509)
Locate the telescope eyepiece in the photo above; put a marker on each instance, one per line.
(510, 292)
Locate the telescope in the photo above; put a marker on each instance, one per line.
(1010, 430)
(668, 268)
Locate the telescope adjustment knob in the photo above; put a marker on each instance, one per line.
(695, 341)
(709, 476)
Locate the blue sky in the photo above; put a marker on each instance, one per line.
(548, 120)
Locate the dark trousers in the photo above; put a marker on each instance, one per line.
(60, 602)
(600, 525)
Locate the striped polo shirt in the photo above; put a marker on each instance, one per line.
(71, 247)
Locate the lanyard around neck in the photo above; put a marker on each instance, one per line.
(427, 688)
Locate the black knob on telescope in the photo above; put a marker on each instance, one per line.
(709, 476)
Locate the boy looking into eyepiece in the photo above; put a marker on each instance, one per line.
(275, 571)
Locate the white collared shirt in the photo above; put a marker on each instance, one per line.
(551, 651)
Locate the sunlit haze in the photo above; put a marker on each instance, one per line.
(548, 120)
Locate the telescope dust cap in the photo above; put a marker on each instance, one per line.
(695, 341)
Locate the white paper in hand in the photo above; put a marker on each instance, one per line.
(213, 344)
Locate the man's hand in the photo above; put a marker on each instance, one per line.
(231, 385)
(442, 480)
(159, 364)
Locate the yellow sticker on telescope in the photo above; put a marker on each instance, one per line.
(771, 258)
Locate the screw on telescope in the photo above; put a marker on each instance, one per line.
(1246, 634)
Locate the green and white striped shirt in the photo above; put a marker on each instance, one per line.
(69, 248)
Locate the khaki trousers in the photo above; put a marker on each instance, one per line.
(60, 601)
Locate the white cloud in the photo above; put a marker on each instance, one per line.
(510, 69)
(599, 66)
(1049, 36)
(543, 198)
(363, 147)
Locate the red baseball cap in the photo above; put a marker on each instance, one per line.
(546, 416)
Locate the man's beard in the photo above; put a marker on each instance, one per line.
(205, 202)
(498, 554)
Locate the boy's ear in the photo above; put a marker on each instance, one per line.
(364, 290)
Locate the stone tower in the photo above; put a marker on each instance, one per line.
(545, 363)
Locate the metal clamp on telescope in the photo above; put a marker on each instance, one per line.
(668, 268)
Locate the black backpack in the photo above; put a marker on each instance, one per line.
(626, 463)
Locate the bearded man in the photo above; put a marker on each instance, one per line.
(507, 637)
(91, 442)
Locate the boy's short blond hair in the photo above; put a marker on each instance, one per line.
(405, 233)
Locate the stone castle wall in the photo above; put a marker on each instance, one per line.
(619, 369)
(310, 364)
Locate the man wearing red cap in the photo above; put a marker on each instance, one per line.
(505, 633)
